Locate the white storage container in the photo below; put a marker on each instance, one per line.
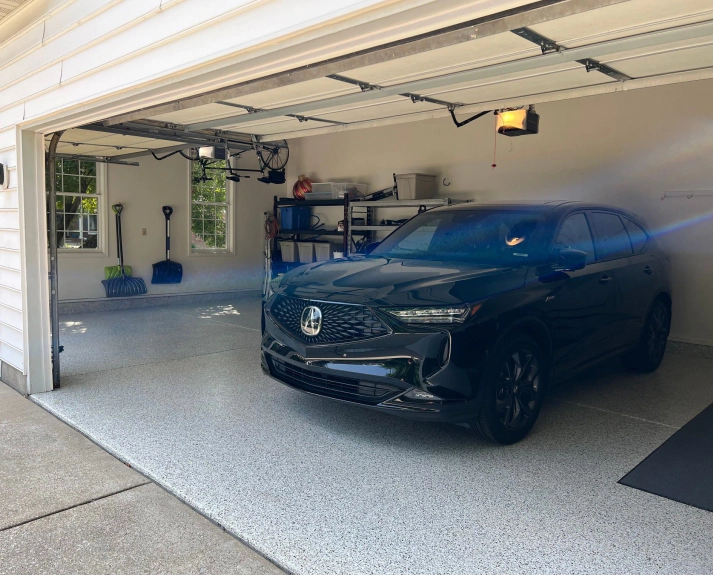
(287, 247)
(416, 186)
(336, 190)
(306, 252)
(322, 251)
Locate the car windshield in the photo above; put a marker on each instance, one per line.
(487, 236)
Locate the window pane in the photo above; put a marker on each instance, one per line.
(197, 212)
(612, 239)
(72, 204)
(70, 167)
(60, 203)
(71, 184)
(220, 242)
(636, 235)
(87, 168)
(88, 185)
(209, 212)
(90, 205)
(575, 235)
(220, 196)
(197, 243)
(209, 227)
(71, 222)
(60, 221)
(72, 240)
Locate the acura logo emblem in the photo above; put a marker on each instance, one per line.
(311, 320)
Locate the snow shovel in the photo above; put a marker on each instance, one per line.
(113, 272)
(167, 272)
(124, 285)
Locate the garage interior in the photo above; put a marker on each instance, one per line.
(623, 92)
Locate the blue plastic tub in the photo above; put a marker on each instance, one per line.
(295, 217)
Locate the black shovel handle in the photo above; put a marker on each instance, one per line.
(167, 211)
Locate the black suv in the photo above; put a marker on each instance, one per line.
(467, 313)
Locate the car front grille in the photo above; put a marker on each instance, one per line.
(322, 383)
(340, 322)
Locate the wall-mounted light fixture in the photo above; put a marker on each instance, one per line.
(4, 177)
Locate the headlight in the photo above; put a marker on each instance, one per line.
(451, 314)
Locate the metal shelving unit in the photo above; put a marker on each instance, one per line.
(273, 268)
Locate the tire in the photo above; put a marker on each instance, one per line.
(649, 354)
(510, 396)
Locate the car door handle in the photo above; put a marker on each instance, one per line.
(648, 270)
(605, 280)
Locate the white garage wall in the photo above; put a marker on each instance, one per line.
(143, 190)
(623, 149)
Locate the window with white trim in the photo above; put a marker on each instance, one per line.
(79, 206)
(210, 209)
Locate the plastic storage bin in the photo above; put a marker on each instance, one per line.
(287, 247)
(416, 186)
(295, 217)
(336, 190)
(322, 251)
(306, 252)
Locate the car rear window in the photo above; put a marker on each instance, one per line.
(612, 241)
(637, 235)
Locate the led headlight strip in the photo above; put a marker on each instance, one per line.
(449, 314)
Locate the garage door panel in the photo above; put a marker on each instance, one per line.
(296, 93)
(665, 61)
(199, 114)
(475, 54)
(535, 84)
(624, 19)
(79, 135)
(272, 125)
(385, 110)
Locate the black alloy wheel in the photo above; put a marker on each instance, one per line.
(512, 388)
(654, 336)
(518, 389)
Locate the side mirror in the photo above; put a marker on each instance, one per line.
(371, 247)
(571, 260)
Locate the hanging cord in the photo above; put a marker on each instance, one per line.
(495, 143)
(319, 223)
(166, 156)
(271, 227)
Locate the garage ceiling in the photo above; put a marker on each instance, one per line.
(481, 66)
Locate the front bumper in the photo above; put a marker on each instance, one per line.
(376, 373)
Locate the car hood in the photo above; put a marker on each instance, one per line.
(384, 281)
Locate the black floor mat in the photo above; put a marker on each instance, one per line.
(682, 468)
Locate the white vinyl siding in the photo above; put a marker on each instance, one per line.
(11, 307)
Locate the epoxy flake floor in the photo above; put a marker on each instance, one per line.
(324, 488)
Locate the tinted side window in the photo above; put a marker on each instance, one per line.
(612, 239)
(637, 236)
(575, 234)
